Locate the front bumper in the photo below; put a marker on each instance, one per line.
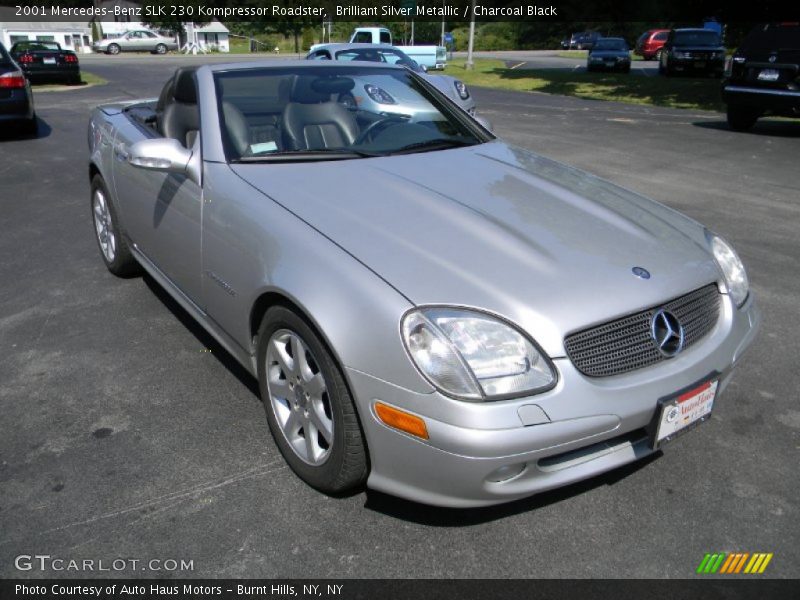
(583, 427)
(694, 65)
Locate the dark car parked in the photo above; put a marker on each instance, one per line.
(583, 40)
(47, 61)
(764, 75)
(610, 54)
(650, 43)
(692, 51)
(16, 98)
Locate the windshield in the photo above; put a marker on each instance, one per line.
(335, 112)
(381, 55)
(772, 38)
(35, 46)
(611, 45)
(696, 38)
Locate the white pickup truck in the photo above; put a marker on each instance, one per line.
(431, 57)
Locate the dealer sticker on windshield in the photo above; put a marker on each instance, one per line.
(685, 411)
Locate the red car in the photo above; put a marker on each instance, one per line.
(649, 44)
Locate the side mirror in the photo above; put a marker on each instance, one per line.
(484, 123)
(424, 68)
(163, 154)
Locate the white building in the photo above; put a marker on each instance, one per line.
(213, 36)
(71, 35)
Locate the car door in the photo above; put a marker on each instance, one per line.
(160, 212)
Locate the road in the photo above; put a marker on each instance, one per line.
(127, 432)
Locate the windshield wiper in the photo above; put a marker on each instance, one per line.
(435, 144)
(291, 155)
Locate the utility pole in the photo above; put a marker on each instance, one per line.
(441, 39)
(469, 65)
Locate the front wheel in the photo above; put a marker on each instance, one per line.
(309, 409)
(113, 49)
(161, 49)
(742, 118)
(114, 249)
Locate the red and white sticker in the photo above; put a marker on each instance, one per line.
(687, 409)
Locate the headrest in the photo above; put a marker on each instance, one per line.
(309, 89)
(185, 85)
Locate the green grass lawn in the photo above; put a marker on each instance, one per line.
(674, 92)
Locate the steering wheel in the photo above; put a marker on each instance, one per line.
(380, 124)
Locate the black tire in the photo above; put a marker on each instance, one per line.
(626, 69)
(113, 49)
(161, 49)
(122, 264)
(660, 68)
(742, 118)
(346, 467)
(75, 79)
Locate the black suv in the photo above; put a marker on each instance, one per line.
(692, 51)
(764, 75)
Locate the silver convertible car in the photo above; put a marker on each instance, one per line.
(428, 310)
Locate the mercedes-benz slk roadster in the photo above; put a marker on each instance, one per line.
(429, 311)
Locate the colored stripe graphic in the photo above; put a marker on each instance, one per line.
(734, 563)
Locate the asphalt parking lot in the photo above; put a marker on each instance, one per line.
(127, 432)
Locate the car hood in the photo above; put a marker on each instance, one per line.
(497, 228)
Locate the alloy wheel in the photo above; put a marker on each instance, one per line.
(298, 396)
(104, 226)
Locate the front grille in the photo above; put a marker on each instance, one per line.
(626, 344)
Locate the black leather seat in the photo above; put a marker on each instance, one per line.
(237, 128)
(177, 110)
(311, 121)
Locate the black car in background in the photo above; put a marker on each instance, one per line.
(584, 40)
(610, 54)
(46, 61)
(691, 51)
(16, 98)
(764, 75)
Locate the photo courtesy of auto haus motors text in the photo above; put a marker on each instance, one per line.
(405, 298)
(158, 590)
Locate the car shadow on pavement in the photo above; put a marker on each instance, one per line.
(219, 352)
(767, 127)
(436, 516)
(16, 134)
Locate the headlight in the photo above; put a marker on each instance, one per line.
(462, 90)
(379, 95)
(732, 269)
(474, 356)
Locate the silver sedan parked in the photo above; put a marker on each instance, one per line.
(136, 41)
(428, 310)
(452, 87)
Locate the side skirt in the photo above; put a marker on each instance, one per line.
(247, 360)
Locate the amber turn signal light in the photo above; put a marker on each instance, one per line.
(401, 420)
